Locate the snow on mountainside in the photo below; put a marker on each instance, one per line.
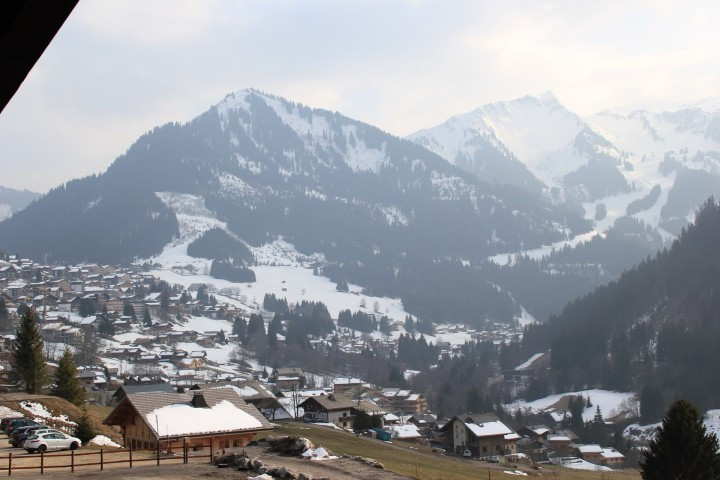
(538, 131)
(280, 269)
(655, 164)
(5, 211)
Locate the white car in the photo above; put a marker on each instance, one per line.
(39, 432)
(51, 441)
(467, 454)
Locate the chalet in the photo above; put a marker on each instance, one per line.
(423, 421)
(332, 408)
(406, 433)
(402, 401)
(612, 458)
(8, 272)
(538, 433)
(219, 418)
(591, 453)
(342, 385)
(482, 434)
(129, 354)
(289, 378)
(207, 342)
(560, 444)
(91, 379)
(114, 304)
(57, 332)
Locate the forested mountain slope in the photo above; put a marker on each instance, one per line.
(381, 212)
(658, 325)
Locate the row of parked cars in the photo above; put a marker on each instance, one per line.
(36, 437)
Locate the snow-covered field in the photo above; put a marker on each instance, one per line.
(611, 403)
(281, 270)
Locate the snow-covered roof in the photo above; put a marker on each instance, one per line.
(558, 438)
(406, 431)
(529, 361)
(579, 464)
(590, 449)
(176, 414)
(512, 436)
(611, 453)
(488, 429)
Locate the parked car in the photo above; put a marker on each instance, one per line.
(493, 459)
(5, 421)
(51, 441)
(20, 440)
(467, 454)
(15, 437)
(22, 422)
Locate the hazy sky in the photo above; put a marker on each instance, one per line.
(117, 68)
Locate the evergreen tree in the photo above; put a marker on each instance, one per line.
(682, 449)
(67, 383)
(240, 328)
(87, 307)
(87, 352)
(597, 428)
(84, 429)
(128, 310)
(5, 322)
(147, 320)
(409, 324)
(576, 405)
(342, 286)
(652, 406)
(29, 366)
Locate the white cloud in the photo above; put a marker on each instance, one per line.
(118, 68)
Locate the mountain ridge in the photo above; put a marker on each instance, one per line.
(268, 168)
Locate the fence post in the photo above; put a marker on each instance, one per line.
(158, 453)
(42, 462)
(185, 459)
(102, 460)
(10, 465)
(72, 461)
(212, 439)
(130, 455)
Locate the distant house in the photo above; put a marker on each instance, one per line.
(289, 378)
(403, 401)
(538, 433)
(560, 444)
(253, 393)
(482, 434)
(612, 458)
(591, 453)
(406, 433)
(342, 385)
(332, 408)
(200, 418)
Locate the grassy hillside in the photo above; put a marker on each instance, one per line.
(417, 461)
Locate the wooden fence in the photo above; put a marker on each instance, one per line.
(100, 458)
